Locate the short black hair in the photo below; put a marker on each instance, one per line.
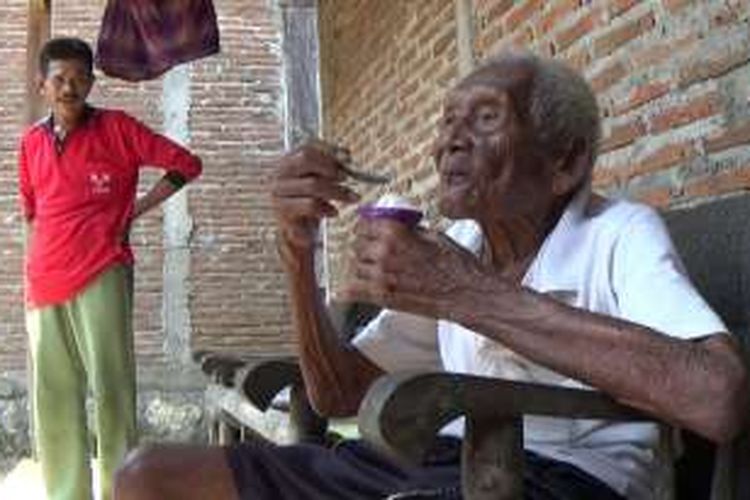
(66, 48)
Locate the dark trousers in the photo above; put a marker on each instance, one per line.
(352, 470)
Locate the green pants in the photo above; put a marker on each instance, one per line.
(80, 346)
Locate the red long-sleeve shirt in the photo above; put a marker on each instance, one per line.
(80, 197)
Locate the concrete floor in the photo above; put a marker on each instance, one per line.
(24, 482)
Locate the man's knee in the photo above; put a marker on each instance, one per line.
(137, 476)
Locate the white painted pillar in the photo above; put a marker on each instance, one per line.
(178, 226)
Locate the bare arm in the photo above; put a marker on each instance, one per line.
(159, 192)
(165, 187)
(336, 374)
(701, 385)
(151, 149)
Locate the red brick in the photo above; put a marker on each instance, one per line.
(675, 5)
(720, 183)
(663, 158)
(606, 177)
(608, 76)
(622, 135)
(657, 53)
(640, 95)
(583, 26)
(557, 13)
(736, 135)
(714, 60)
(617, 8)
(619, 36)
(658, 197)
(577, 58)
(699, 108)
(521, 12)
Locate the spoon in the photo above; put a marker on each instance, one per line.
(344, 158)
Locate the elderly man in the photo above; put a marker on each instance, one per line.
(538, 280)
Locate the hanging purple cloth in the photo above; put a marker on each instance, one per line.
(141, 39)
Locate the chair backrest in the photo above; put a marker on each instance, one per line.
(713, 240)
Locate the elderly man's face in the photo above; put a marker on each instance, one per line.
(484, 154)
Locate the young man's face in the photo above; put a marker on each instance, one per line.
(65, 88)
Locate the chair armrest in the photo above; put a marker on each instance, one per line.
(402, 413)
(261, 382)
(221, 368)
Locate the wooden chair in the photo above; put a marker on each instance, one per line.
(402, 413)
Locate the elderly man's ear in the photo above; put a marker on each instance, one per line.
(572, 170)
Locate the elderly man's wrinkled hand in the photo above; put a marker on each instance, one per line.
(307, 183)
(409, 269)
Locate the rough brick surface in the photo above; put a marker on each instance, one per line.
(238, 292)
(12, 53)
(386, 66)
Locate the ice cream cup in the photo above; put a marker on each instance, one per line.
(392, 207)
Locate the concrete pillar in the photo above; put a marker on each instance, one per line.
(37, 34)
(178, 226)
(465, 35)
(301, 84)
(301, 68)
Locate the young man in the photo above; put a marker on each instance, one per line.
(544, 281)
(78, 174)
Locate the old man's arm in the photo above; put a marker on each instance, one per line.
(305, 190)
(700, 384)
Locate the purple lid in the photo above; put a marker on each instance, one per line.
(408, 216)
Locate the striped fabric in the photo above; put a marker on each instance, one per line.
(141, 39)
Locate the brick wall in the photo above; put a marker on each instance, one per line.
(672, 81)
(385, 68)
(235, 288)
(12, 97)
(672, 78)
(239, 291)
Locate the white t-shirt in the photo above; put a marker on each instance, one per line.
(616, 259)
